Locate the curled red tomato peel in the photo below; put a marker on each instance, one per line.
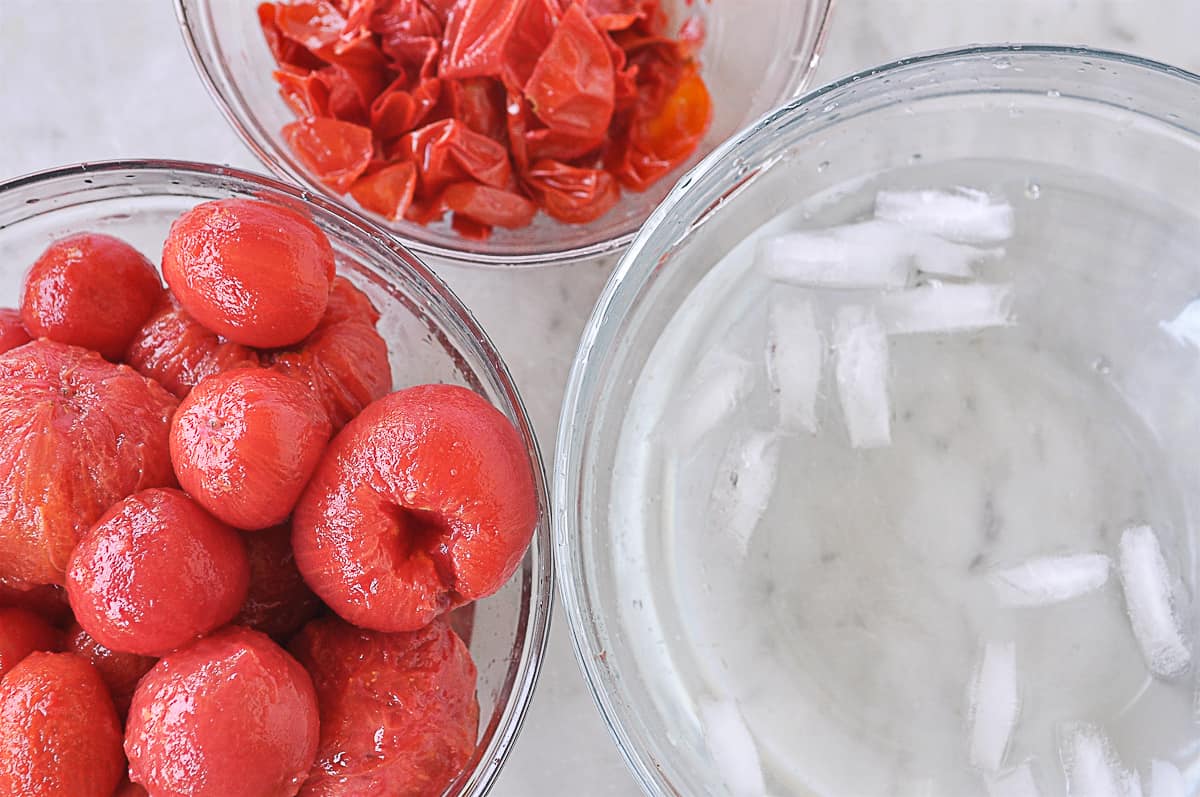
(530, 36)
(475, 36)
(572, 86)
(494, 207)
(572, 194)
(337, 152)
(388, 192)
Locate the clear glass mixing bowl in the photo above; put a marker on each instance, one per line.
(1099, 153)
(758, 53)
(431, 337)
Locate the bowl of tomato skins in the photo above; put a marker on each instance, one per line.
(498, 132)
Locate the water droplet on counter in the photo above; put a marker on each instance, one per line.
(1032, 189)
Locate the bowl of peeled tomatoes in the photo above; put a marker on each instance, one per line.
(272, 516)
(498, 132)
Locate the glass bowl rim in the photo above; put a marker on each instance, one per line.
(535, 620)
(252, 134)
(611, 308)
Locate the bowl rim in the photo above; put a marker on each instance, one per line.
(533, 631)
(597, 340)
(252, 134)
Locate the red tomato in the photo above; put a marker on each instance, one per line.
(77, 434)
(177, 351)
(571, 194)
(59, 734)
(48, 601)
(571, 88)
(244, 444)
(12, 331)
(423, 502)
(490, 206)
(90, 290)
(257, 273)
(120, 671)
(388, 191)
(127, 789)
(337, 152)
(475, 36)
(279, 602)
(156, 572)
(232, 714)
(398, 711)
(345, 361)
(21, 633)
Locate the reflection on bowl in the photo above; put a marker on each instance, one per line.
(745, 81)
(828, 644)
(431, 338)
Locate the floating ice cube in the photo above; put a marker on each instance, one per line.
(744, 482)
(1050, 579)
(1185, 327)
(1147, 584)
(944, 307)
(963, 214)
(941, 258)
(1091, 766)
(994, 705)
(1166, 780)
(721, 380)
(1017, 782)
(851, 256)
(732, 747)
(862, 376)
(795, 355)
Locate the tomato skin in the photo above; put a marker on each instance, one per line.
(77, 433)
(571, 194)
(388, 192)
(120, 671)
(475, 36)
(490, 206)
(59, 733)
(244, 443)
(90, 290)
(256, 273)
(22, 632)
(337, 152)
(423, 502)
(48, 601)
(231, 714)
(178, 352)
(155, 573)
(572, 86)
(279, 602)
(399, 713)
(12, 331)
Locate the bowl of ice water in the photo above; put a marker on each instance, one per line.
(877, 473)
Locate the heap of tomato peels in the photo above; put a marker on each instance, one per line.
(488, 109)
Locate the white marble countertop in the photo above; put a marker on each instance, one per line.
(98, 79)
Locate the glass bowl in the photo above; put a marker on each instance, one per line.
(431, 337)
(1008, 443)
(228, 47)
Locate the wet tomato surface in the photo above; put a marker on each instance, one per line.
(231, 714)
(156, 572)
(120, 671)
(77, 434)
(12, 330)
(21, 633)
(425, 501)
(279, 602)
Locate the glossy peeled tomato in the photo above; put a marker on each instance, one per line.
(77, 433)
(90, 290)
(423, 502)
(156, 572)
(279, 602)
(120, 671)
(256, 273)
(21, 633)
(12, 331)
(244, 444)
(399, 715)
(59, 733)
(232, 714)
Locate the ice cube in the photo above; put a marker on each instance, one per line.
(1091, 766)
(941, 258)
(963, 214)
(744, 482)
(1185, 327)
(1147, 585)
(732, 747)
(1050, 579)
(795, 355)
(1166, 780)
(721, 380)
(944, 307)
(862, 376)
(1016, 782)
(852, 256)
(994, 705)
